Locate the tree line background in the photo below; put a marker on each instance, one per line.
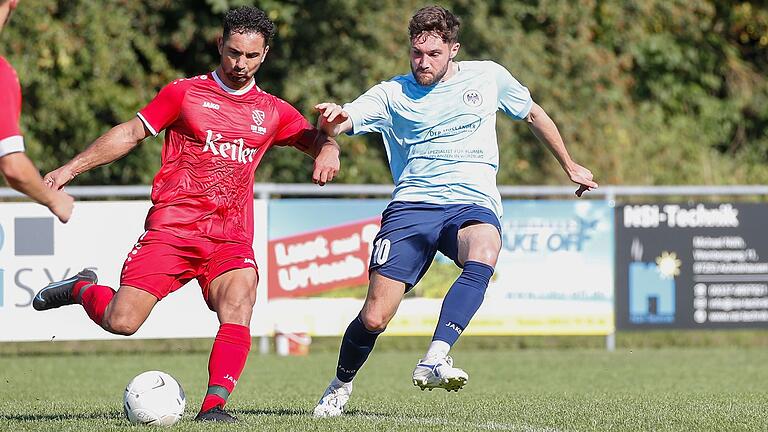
(644, 91)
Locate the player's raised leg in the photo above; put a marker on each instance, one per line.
(126, 311)
(232, 295)
(119, 313)
(58, 294)
(478, 248)
(381, 303)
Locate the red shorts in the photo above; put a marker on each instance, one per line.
(161, 263)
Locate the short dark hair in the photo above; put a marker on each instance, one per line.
(435, 19)
(247, 19)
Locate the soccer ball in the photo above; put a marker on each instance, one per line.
(154, 398)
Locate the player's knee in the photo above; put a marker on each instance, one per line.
(486, 254)
(236, 308)
(120, 324)
(374, 322)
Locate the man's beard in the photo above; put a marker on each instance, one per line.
(241, 79)
(423, 80)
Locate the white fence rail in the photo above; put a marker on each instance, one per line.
(268, 190)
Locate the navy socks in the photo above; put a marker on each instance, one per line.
(356, 345)
(459, 306)
(462, 301)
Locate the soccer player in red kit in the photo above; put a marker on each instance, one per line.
(15, 166)
(218, 127)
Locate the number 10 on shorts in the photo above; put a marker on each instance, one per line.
(381, 251)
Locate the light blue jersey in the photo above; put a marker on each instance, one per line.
(441, 140)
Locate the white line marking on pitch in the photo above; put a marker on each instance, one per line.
(443, 422)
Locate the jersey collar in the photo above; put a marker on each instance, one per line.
(224, 87)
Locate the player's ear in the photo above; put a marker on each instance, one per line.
(220, 44)
(264, 55)
(455, 50)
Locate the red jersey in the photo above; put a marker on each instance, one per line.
(214, 140)
(10, 110)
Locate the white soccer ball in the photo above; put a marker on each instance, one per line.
(154, 398)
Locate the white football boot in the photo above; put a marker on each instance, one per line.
(439, 373)
(333, 401)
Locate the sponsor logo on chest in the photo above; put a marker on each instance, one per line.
(234, 150)
(211, 105)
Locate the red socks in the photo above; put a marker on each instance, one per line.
(228, 355)
(94, 298)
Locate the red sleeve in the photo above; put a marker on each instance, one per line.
(164, 109)
(10, 102)
(10, 110)
(292, 126)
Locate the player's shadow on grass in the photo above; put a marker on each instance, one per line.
(363, 413)
(62, 417)
(306, 412)
(275, 412)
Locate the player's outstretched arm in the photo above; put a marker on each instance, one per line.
(324, 150)
(333, 119)
(113, 145)
(546, 131)
(21, 174)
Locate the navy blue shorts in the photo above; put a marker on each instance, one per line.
(412, 233)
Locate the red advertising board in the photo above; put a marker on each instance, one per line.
(323, 260)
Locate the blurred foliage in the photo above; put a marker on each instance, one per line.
(644, 91)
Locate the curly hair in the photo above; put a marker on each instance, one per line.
(247, 19)
(437, 20)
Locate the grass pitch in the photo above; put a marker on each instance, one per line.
(677, 389)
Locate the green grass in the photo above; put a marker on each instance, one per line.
(743, 338)
(675, 389)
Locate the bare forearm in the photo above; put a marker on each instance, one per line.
(111, 146)
(546, 131)
(324, 150)
(313, 142)
(21, 175)
(325, 143)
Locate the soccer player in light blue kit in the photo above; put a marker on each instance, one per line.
(438, 125)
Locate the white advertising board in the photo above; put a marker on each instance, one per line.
(36, 249)
(554, 274)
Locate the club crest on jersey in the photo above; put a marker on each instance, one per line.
(258, 118)
(473, 98)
